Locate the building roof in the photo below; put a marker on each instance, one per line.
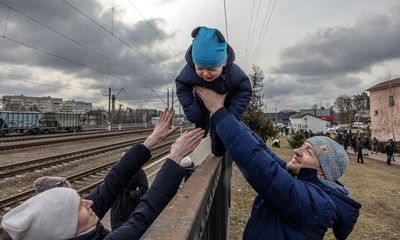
(385, 85)
(287, 111)
(301, 115)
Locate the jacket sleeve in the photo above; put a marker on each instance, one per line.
(104, 195)
(241, 97)
(262, 144)
(162, 190)
(190, 106)
(273, 183)
(142, 186)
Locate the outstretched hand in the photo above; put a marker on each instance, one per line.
(212, 100)
(162, 130)
(185, 144)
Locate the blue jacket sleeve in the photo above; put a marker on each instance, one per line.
(160, 193)
(104, 195)
(241, 97)
(186, 98)
(262, 144)
(273, 183)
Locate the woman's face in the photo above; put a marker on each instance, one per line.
(86, 217)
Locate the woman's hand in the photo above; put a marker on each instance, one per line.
(185, 144)
(212, 100)
(162, 129)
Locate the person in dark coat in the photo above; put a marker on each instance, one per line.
(366, 145)
(389, 153)
(345, 142)
(374, 145)
(60, 213)
(359, 147)
(129, 199)
(209, 63)
(297, 200)
(354, 143)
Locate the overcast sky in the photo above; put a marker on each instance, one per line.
(310, 51)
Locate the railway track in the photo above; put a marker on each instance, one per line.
(86, 180)
(11, 170)
(40, 142)
(19, 138)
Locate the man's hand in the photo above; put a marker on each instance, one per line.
(185, 144)
(162, 129)
(212, 100)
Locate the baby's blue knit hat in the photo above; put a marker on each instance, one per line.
(331, 156)
(208, 47)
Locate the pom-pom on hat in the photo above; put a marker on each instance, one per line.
(331, 156)
(47, 182)
(209, 48)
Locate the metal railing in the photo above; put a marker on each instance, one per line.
(200, 209)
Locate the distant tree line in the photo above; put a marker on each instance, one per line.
(347, 106)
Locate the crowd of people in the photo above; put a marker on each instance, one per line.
(363, 146)
(298, 199)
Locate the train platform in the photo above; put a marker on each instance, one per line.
(198, 156)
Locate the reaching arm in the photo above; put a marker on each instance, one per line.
(273, 183)
(104, 195)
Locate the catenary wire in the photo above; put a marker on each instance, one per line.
(115, 36)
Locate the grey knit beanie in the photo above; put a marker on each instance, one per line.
(332, 157)
(50, 215)
(47, 182)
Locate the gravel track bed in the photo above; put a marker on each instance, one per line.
(14, 156)
(11, 186)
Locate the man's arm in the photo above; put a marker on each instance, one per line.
(105, 194)
(273, 183)
(267, 150)
(160, 193)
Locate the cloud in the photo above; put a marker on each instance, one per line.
(342, 50)
(142, 63)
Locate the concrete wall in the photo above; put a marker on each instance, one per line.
(385, 119)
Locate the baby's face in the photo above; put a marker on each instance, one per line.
(209, 74)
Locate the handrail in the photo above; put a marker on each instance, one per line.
(200, 209)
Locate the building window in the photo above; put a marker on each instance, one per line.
(391, 101)
(376, 113)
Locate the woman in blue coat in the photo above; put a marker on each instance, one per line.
(297, 200)
(60, 213)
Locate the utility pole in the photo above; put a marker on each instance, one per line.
(120, 116)
(167, 98)
(172, 98)
(109, 111)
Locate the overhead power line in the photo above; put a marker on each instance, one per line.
(153, 28)
(74, 41)
(254, 29)
(116, 37)
(248, 35)
(25, 79)
(262, 27)
(263, 35)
